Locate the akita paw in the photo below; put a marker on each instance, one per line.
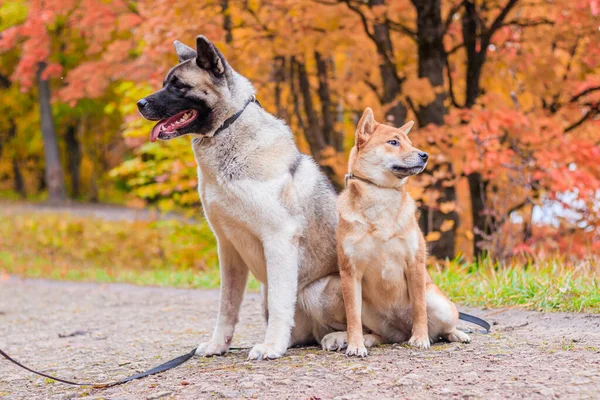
(419, 341)
(335, 341)
(209, 349)
(458, 336)
(265, 351)
(358, 351)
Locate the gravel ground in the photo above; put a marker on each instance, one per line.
(123, 329)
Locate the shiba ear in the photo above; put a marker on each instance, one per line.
(183, 51)
(407, 127)
(366, 126)
(208, 57)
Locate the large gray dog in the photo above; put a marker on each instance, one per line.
(271, 209)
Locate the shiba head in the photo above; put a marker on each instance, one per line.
(384, 154)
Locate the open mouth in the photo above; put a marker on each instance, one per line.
(168, 127)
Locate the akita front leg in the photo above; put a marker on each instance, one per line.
(234, 275)
(281, 257)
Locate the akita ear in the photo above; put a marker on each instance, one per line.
(209, 57)
(366, 127)
(407, 127)
(184, 52)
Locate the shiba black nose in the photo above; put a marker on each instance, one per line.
(142, 103)
(424, 156)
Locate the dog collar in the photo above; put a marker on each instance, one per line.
(235, 116)
(349, 176)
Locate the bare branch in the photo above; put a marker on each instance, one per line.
(591, 113)
(485, 41)
(525, 24)
(583, 93)
(450, 84)
(451, 13)
(398, 27)
(374, 88)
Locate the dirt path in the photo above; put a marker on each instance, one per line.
(127, 329)
(107, 212)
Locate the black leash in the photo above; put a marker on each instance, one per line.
(161, 368)
(475, 320)
(176, 362)
(235, 116)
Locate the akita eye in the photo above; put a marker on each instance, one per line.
(394, 142)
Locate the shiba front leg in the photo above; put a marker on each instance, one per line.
(234, 275)
(281, 256)
(352, 291)
(416, 279)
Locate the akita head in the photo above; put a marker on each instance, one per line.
(384, 154)
(195, 94)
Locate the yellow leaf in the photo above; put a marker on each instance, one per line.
(447, 207)
(433, 236)
(446, 225)
(469, 235)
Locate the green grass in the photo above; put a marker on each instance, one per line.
(547, 285)
(171, 253)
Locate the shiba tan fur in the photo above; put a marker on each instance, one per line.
(381, 250)
(270, 208)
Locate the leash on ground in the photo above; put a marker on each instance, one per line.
(177, 361)
(475, 320)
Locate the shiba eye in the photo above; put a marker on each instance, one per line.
(394, 142)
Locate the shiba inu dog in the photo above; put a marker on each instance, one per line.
(269, 206)
(381, 250)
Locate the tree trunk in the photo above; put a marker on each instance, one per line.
(392, 84)
(481, 223)
(475, 56)
(53, 171)
(313, 132)
(477, 38)
(431, 66)
(18, 182)
(73, 159)
(227, 21)
(279, 78)
(327, 113)
(430, 33)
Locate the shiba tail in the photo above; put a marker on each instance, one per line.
(475, 320)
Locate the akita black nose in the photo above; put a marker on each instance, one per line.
(424, 156)
(142, 103)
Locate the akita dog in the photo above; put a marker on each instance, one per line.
(270, 207)
(381, 250)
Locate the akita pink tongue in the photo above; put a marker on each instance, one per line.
(170, 125)
(156, 130)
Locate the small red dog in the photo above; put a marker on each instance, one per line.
(381, 249)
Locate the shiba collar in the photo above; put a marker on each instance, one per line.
(349, 176)
(235, 116)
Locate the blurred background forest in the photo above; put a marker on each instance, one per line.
(505, 94)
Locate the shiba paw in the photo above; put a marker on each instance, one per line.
(335, 341)
(265, 351)
(358, 351)
(212, 348)
(419, 341)
(458, 336)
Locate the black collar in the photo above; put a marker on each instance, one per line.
(235, 116)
